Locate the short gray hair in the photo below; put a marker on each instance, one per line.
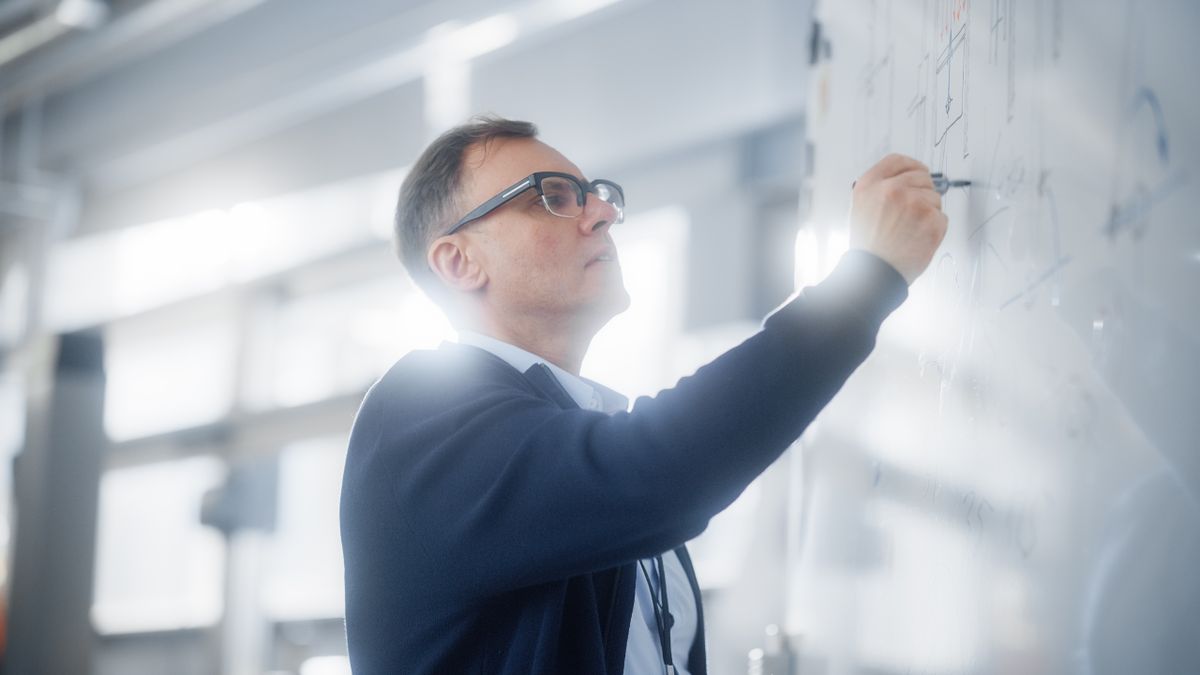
(429, 196)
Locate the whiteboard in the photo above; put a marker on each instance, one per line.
(1011, 483)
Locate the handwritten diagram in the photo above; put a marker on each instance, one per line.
(1033, 373)
(952, 68)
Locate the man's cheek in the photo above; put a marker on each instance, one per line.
(546, 244)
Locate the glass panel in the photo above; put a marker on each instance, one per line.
(303, 577)
(167, 372)
(157, 567)
(105, 276)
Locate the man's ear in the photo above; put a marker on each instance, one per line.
(454, 265)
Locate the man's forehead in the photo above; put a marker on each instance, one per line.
(491, 167)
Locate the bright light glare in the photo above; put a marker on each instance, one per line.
(632, 354)
(447, 78)
(818, 250)
(98, 278)
(837, 242)
(425, 326)
(158, 259)
(808, 258)
(564, 10)
(254, 235)
(484, 36)
(85, 14)
(346, 337)
(326, 665)
(447, 94)
(454, 42)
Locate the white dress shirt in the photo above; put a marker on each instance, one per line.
(643, 655)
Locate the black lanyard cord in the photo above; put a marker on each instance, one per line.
(662, 610)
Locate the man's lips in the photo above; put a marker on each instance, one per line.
(603, 256)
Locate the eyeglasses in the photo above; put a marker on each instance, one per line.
(561, 193)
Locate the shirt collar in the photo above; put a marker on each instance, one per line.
(587, 394)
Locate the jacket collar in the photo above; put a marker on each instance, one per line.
(543, 379)
(586, 394)
(537, 377)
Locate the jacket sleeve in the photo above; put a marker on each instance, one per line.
(500, 489)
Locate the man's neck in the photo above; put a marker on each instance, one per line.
(558, 345)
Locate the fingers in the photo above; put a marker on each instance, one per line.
(918, 178)
(913, 187)
(898, 214)
(929, 198)
(918, 185)
(892, 165)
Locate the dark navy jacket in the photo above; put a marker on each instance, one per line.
(490, 527)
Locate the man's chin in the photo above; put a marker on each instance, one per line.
(619, 300)
(613, 302)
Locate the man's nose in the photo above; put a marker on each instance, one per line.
(597, 215)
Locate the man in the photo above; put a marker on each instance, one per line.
(500, 514)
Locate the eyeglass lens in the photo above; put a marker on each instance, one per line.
(563, 198)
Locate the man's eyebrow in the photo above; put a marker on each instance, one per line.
(578, 176)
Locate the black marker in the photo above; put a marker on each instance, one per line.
(942, 184)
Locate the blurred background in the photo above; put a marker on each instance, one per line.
(198, 285)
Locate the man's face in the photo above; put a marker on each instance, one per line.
(539, 265)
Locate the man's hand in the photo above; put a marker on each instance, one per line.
(896, 214)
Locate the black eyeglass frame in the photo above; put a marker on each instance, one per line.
(534, 180)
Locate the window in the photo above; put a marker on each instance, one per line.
(170, 371)
(303, 577)
(157, 567)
